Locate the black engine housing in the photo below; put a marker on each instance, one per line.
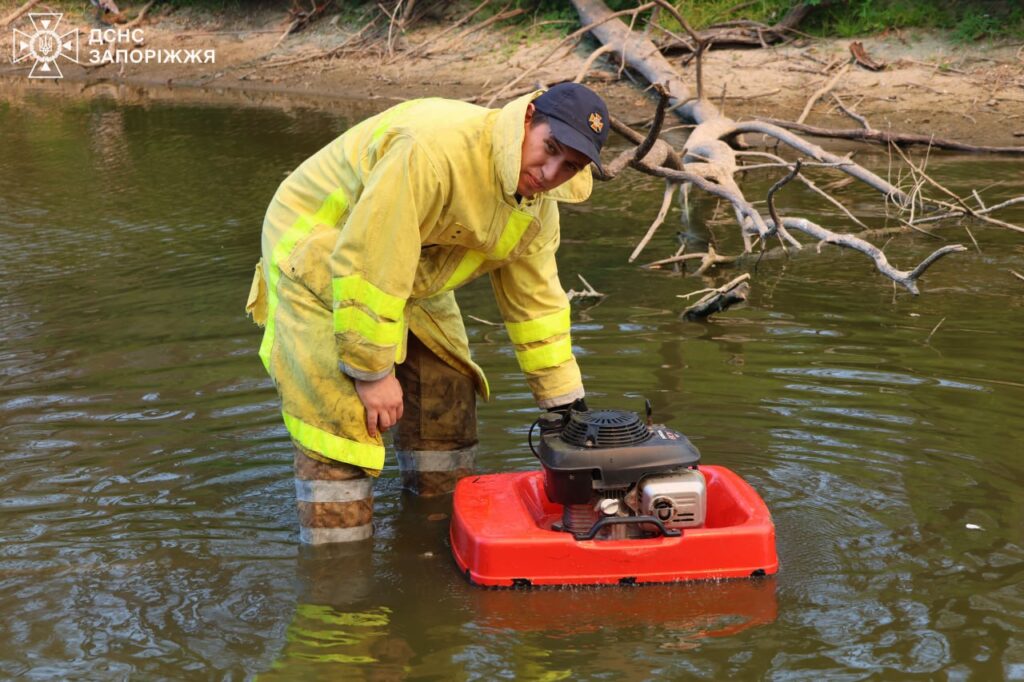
(605, 450)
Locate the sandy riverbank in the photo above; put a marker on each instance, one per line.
(973, 93)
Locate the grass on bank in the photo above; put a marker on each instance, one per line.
(964, 20)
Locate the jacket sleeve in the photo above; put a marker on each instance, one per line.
(536, 313)
(375, 258)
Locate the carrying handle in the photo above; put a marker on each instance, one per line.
(620, 520)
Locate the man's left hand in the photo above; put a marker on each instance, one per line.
(383, 402)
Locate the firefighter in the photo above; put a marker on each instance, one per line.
(363, 246)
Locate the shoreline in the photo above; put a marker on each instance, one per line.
(973, 94)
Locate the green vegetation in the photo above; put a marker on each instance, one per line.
(966, 20)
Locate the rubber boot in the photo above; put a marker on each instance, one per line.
(436, 441)
(335, 500)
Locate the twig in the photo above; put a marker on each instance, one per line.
(755, 95)
(326, 54)
(852, 114)
(588, 292)
(468, 31)
(807, 181)
(934, 329)
(652, 135)
(711, 259)
(955, 213)
(575, 35)
(302, 19)
(673, 259)
(977, 198)
(940, 68)
(973, 240)
(681, 40)
(10, 18)
(666, 203)
(776, 131)
(702, 44)
(291, 27)
(915, 228)
(964, 208)
(717, 300)
(141, 16)
(435, 41)
(500, 16)
(1017, 275)
(821, 92)
(775, 188)
(604, 49)
(483, 321)
(695, 293)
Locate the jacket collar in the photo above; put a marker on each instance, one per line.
(507, 138)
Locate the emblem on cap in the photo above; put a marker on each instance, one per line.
(596, 124)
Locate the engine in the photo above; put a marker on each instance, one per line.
(617, 476)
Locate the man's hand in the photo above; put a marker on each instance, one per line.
(383, 402)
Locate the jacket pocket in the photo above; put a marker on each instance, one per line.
(310, 263)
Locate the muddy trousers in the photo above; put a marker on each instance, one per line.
(436, 443)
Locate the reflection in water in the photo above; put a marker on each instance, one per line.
(336, 622)
(147, 524)
(677, 616)
(109, 146)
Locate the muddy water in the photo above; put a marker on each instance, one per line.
(148, 526)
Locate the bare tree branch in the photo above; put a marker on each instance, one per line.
(906, 278)
(886, 137)
(708, 161)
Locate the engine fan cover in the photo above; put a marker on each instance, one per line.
(604, 450)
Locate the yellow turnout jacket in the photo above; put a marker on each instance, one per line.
(368, 238)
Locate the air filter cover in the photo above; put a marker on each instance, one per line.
(607, 449)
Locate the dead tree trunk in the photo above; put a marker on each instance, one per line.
(638, 52)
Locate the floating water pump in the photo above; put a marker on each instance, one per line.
(615, 476)
(618, 500)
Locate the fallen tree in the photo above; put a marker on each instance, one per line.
(741, 33)
(716, 150)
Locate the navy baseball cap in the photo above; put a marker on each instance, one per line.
(578, 118)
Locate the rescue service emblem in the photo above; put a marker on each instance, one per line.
(596, 124)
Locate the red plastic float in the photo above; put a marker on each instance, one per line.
(502, 535)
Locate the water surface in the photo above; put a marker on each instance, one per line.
(147, 522)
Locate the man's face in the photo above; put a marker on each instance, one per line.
(546, 163)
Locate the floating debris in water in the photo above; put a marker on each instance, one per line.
(973, 526)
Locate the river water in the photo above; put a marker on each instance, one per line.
(147, 523)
